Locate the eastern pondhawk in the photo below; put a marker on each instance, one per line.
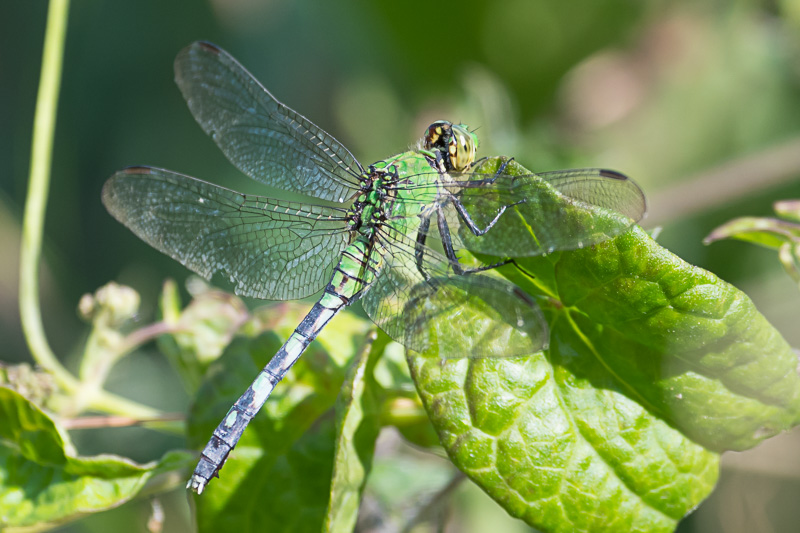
(376, 248)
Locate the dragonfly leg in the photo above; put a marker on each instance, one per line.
(444, 230)
(488, 181)
(502, 169)
(447, 243)
(479, 161)
(419, 248)
(473, 227)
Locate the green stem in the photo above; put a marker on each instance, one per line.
(105, 402)
(38, 186)
(33, 219)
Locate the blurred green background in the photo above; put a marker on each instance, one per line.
(698, 101)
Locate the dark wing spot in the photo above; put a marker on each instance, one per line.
(209, 47)
(137, 170)
(524, 296)
(613, 174)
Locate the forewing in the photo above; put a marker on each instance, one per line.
(264, 139)
(546, 212)
(450, 315)
(268, 248)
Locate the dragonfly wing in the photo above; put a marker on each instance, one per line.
(268, 248)
(264, 139)
(547, 212)
(561, 210)
(450, 315)
(599, 187)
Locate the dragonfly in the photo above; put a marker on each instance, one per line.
(388, 234)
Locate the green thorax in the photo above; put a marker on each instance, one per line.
(383, 202)
(396, 194)
(391, 193)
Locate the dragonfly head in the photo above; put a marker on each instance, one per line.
(455, 142)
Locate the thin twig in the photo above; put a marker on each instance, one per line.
(95, 422)
(143, 335)
(435, 501)
(726, 183)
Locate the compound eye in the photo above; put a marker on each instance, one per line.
(437, 135)
(462, 148)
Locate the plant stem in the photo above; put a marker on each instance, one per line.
(116, 421)
(38, 187)
(146, 334)
(729, 182)
(106, 402)
(33, 219)
(435, 501)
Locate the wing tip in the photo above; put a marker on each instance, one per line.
(110, 199)
(109, 195)
(641, 212)
(184, 59)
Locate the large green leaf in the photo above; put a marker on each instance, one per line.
(43, 482)
(654, 368)
(357, 428)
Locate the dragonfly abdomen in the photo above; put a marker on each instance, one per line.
(360, 264)
(230, 430)
(352, 275)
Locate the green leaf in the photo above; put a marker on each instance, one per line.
(43, 482)
(781, 235)
(789, 254)
(357, 428)
(768, 232)
(654, 368)
(286, 456)
(788, 209)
